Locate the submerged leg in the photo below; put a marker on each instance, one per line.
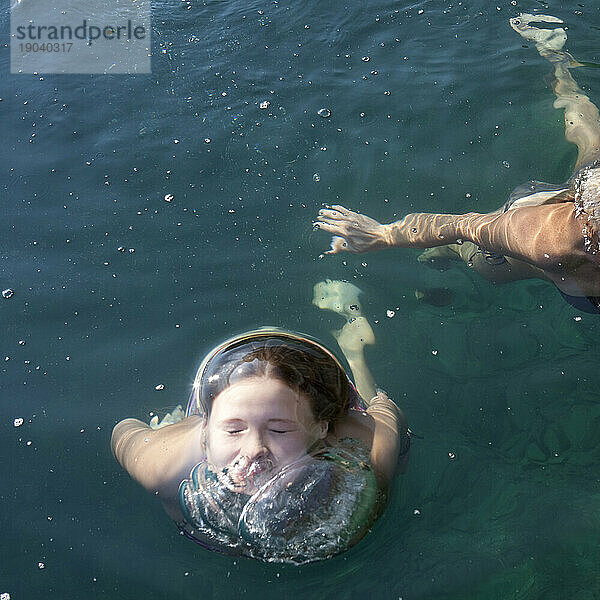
(582, 120)
(342, 298)
(449, 252)
(489, 265)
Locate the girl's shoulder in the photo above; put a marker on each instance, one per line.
(356, 425)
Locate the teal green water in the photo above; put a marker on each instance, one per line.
(502, 496)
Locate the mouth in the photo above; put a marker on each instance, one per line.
(245, 475)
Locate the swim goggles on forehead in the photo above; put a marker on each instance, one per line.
(214, 372)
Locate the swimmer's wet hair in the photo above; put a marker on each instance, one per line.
(585, 187)
(301, 364)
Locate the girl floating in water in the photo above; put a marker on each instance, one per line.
(278, 457)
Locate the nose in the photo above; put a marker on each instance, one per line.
(254, 446)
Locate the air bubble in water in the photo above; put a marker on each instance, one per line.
(506, 164)
(316, 177)
(324, 112)
(7, 293)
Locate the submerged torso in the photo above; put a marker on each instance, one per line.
(569, 256)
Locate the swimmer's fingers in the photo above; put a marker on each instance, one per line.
(169, 419)
(347, 240)
(339, 213)
(173, 417)
(338, 244)
(333, 215)
(349, 219)
(343, 209)
(334, 222)
(337, 210)
(178, 414)
(360, 233)
(331, 225)
(327, 225)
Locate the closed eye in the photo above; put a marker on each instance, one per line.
(282, 430)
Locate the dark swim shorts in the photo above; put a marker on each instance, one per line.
(587, 304)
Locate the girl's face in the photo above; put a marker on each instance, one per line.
(256, 427)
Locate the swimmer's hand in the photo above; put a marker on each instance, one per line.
(168, 419)
(352, 232)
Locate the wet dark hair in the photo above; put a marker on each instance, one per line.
(301, 364)
(585, 187)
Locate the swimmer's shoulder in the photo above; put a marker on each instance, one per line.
(563, 239)
(357, 425)
(360, 424)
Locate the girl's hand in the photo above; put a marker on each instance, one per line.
(168, 419)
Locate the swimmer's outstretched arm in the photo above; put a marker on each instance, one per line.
(158, 459)
(539, 235)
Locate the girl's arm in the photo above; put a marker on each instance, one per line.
(390, 429)
(158, 459)
(383, 428)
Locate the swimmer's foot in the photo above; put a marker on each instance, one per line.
(339, 296)
(549, 42)
(342, 298)
(353, 337)
(448, 252)
(545, 39)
